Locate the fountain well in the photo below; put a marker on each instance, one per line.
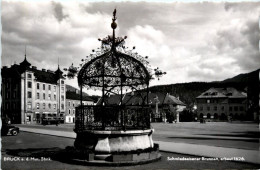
(120, 132)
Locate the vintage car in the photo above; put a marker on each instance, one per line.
(9, 130)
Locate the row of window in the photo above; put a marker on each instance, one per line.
(235, 108)
(212, 101)
(215, 116)
(29, 106)
(215, 108)
(29, 85)
(230, 100)
(11, 105)
(44, 106)
(73, 104)
(8, 85)
(73, 111)
(209, 101)
(8, 95)
(29, 96)
(222, 108)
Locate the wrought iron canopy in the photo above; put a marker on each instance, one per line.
(114, 67)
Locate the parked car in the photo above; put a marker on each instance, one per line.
(9, 130)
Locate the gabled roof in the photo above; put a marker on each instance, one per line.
(222, 93)
(169, 99)
(139, 98)
(111, 100)
(134, 99)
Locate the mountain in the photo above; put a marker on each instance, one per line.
(74, 93)
(187, 92)
(241, 77)
(75, 90)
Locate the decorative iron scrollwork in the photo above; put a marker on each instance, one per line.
(112, 68)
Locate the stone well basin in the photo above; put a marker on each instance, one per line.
(105, 141)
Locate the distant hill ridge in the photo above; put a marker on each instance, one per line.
(241, 77)
(74, 89)
(74, 93)
(189, 91)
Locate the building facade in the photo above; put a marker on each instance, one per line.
(221, 104)
(29, 94)
(162, 105)
(73, 101)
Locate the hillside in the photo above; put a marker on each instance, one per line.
(74, 89)
(188, 92)
(241, 77)
(73, 93)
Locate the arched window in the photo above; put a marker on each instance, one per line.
(208, 116)
(215, 116)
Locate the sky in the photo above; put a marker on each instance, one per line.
(198, 41)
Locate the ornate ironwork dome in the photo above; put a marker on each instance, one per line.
(113, 70)
(113, 67)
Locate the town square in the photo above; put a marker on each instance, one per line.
(92, 85)
(238, 136)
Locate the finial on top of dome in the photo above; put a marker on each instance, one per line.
(113, 24)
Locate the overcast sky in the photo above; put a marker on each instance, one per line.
(190, 41)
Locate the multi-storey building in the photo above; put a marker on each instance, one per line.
(29, 94)
(73, 101)
(221, 103)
